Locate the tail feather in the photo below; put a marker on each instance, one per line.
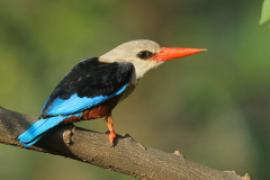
(27, 145)
(37, 129)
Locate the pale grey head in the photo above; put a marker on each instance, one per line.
(145, 55)
(137, 52)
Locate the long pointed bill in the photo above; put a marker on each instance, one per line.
(167, 54)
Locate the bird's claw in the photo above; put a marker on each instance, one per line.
(112, 138)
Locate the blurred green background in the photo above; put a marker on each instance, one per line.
(213, 107)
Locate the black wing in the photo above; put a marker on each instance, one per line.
(89, 83)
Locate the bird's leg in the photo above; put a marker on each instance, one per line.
(112, 134)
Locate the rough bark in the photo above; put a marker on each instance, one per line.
(127, 157)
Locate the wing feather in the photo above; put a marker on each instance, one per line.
(89, 84)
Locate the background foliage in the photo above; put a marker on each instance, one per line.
(214, 107)
(265, 17)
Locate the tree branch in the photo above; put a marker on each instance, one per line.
(127, 157)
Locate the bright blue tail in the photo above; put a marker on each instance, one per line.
(37, 129)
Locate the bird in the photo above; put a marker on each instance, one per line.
(96, 85)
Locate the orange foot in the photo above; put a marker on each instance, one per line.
(112, 137)
(112, 134)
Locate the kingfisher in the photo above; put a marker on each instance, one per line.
(96, 85)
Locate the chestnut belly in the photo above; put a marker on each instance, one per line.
(99, 111)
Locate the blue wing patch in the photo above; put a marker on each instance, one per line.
(76, 104)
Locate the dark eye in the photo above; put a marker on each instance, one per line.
(144, 54)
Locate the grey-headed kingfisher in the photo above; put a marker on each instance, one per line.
(96, 85)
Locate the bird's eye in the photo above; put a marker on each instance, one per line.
(144, 54)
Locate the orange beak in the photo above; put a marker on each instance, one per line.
(167, 54)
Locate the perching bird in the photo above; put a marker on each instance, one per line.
(94, 86)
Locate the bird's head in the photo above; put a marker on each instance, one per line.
(145, 55)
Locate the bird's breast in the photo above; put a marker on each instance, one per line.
(99, 111)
